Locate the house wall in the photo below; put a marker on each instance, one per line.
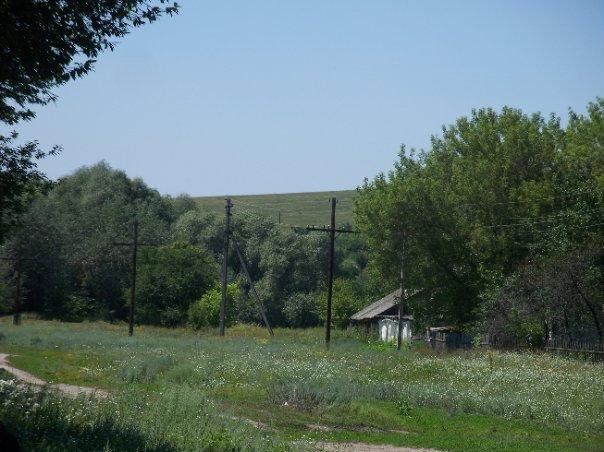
(388, 330)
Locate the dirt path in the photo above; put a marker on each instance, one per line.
(363, 447)
(30, 379)
(73, 391)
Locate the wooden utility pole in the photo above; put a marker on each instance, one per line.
(17, 313)
(227, 233)
(401, 301)
(133, 285)
(332, 238)
(134, 244)
(249, 279)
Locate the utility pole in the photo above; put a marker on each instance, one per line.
(133, 285)
(401, 300)
(249, 279)
(227, 233)
(17, 304)
(17, 313)
(134, 244)
(332, 237)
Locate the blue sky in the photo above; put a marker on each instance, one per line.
(280, 96)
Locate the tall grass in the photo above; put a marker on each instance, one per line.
(183, 374)
(180, 418)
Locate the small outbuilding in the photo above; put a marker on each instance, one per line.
(382, 316)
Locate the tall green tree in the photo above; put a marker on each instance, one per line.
(494, 190)
(281, 263)
(70, 233)
(170, 279)
(44, 44)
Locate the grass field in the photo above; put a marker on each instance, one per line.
(172, 389)
(299, 209)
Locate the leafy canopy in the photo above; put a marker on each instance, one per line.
(44, 44)
(496, 189)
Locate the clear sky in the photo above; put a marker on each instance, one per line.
(278, 96)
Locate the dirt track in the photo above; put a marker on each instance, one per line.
(74, 391)
(30, 379)
(363, 447)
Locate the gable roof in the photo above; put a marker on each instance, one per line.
(382, 305)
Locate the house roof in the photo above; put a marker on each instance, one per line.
(382, 305)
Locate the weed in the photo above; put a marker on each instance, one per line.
(403, 407)
(146, 370)
(305, 395)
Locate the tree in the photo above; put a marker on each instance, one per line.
(70, 232)
(281, 263)
(44, 44)
(561, 294)
(344, 302)
(170, 279)
(493, 191)
(206, 311)
(20, 180)
(180, 205)
(300, 310)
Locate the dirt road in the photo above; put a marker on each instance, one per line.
(25, 377)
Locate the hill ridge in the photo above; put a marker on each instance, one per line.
(299, 208)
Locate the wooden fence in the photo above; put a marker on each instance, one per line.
(588, 347)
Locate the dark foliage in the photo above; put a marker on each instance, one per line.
(20, 179)
(44, 44)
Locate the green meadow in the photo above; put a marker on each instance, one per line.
(174, 389)
(299, 209)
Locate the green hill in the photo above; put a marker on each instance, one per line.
(298, 209)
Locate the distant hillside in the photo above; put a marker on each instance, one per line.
(296, 208)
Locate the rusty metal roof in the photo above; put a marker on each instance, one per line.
(382, 305)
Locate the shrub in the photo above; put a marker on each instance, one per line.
(344, 302)
(171, 317)
(305, 395)
(145, 371)
(77, 308)
(300, 311)
(403, 407)
(170, 279)
(206, 311)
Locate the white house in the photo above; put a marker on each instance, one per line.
(388, 328)
(383, 316)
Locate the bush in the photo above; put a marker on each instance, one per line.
(171, 317)
(206, 311)
(170, 279)
(305, 395)
(145, 371)
(344, 302)
(77, 308)
(300, 311)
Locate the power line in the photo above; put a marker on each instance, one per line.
(527, 223)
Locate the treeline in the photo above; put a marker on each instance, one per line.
(73, 270)
(501, 223)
